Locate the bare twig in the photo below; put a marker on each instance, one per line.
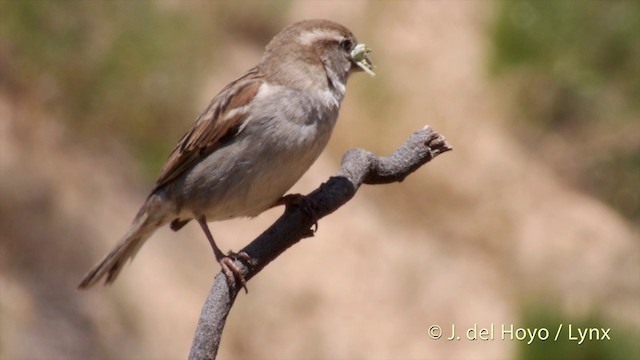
(358, 167)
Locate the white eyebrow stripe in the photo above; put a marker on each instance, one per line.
(309, 37)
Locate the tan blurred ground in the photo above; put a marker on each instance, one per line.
(468, 239)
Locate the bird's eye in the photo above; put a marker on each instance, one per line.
(346, 44)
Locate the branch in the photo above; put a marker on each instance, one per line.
(358, 167)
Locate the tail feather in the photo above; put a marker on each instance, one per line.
(144, 225)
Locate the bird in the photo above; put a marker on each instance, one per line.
(251, 144)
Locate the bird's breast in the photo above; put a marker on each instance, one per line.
(279, 141)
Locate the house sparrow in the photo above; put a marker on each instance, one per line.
(252, 143)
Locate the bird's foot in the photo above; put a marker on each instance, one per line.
(231, 271)
(305, 204)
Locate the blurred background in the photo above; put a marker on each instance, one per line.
(533, 219)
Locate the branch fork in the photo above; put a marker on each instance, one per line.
(358, 167)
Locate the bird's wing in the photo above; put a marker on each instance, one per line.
(220, 120)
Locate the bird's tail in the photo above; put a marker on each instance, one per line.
(149, 218)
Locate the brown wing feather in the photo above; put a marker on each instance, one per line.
(211, 126)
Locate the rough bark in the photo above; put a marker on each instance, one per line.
(358, 167)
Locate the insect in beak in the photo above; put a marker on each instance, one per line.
(359, 55)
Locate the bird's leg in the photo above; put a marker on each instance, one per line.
(306, 205)
(230, 270)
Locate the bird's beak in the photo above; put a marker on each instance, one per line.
(360, 57)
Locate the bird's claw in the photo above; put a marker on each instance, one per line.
(231, 271)
(305, 204)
